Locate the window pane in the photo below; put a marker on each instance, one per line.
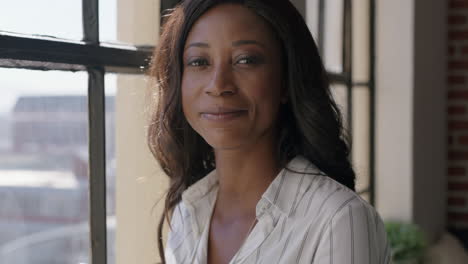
(361, 129)
(361, 40)
(361, 136)
(332, 30)
(340, 95)
(312, 17)
(43, 167)
(56, 18)
(333, 35)
(129, 22)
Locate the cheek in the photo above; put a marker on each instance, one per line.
(188, 88)
(191, 89)
(266, 89)
(265, 94)
(267, 82)
(191, 86)
(187, 95)
(268, 95)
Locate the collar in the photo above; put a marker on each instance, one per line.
(286, 190)
(200, 189)
(283, 193)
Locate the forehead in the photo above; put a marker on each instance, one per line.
(230, 22)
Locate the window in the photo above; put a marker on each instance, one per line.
(62, 67)
(343, 30)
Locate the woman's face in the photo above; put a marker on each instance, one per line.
(231, 84)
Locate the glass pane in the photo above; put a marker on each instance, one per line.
(333, 39)
(56, 18)
(361, 130)
(340, 94)
(312, 17)
(43, 167)
(361, 40)
(361, 136)
(129, 22)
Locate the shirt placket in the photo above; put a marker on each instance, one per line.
(267, 216)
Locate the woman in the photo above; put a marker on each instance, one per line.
(252, 141)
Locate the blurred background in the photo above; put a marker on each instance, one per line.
(75, 104)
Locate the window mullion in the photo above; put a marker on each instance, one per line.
(347, 61)
(372, 51)
(29, 48)
(321, 28)
(91, 21)
(97, 146)
(97, 166)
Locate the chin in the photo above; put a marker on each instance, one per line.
(223, 145)
(224, 142)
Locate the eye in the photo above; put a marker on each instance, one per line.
(247, 60)
(252, 60)
(198, 62)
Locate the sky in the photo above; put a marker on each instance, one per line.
(57, 18)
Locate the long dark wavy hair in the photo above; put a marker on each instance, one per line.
(310, 122)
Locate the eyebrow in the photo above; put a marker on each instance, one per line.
(198, 44)
(246, 42)
(235, 44)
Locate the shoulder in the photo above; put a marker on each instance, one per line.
(343, 219)
(326, 201)
(326, 198)
(342, 211)
(351, 228)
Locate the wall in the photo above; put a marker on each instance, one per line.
(139, 181)
(394, 163)
(410, 117)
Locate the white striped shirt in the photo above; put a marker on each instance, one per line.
(303, 217)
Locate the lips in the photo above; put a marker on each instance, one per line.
(223, 113)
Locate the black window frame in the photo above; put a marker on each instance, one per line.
(346, 77)
(48, 53)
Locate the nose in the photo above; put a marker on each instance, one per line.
(221, 82)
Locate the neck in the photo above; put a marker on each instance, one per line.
(244, 175)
